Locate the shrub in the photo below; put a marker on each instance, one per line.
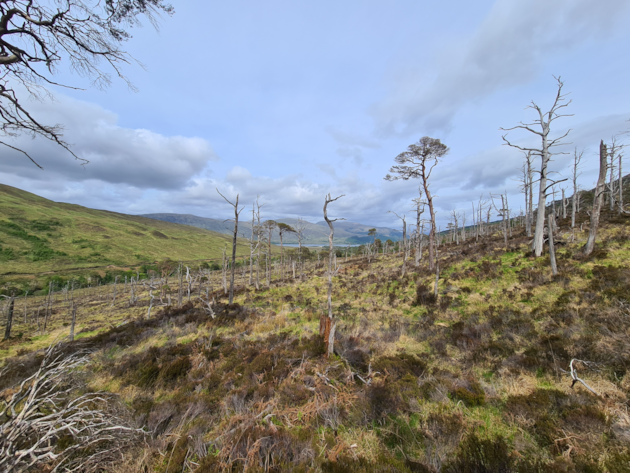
(424, 296)
(477, 455)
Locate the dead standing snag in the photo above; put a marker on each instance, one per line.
(327, 323)
(236, 212)
(543, 121)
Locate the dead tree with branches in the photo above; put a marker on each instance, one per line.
(402, 244)
(577, 158)
(544, 121)
(328, 324)
(236, 214)
(300, 229)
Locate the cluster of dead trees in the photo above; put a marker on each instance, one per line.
(421, 158)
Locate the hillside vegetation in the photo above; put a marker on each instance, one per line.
(38, 235)
(475, 380)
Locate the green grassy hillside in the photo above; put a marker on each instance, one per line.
(38, 235)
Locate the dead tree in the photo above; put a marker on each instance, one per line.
(300, 228)
(404, 239)
(48, 407)
(236, 213)
(503, 212)
(73, 321)
(564, 203)
(328, 324)
(552, 250)
(418, 162)
(614, 153)
(259, 235)
(544, 121)
(9, 325)
(253, 248)
(620, 185)
(282, 229)
(419, 227)
(577, 157)
(597, 199)
(269, 225)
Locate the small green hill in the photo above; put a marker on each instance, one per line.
(38, 235)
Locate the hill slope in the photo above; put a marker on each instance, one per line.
(346, 233)
(39, 235)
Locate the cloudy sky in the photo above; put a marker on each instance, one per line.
(291, 100)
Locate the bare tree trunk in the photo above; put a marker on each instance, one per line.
(564, 205)
(544, 121)
(552, 251)
(74, 321)
(7, 329)
(251, 247)
(330, 323)
(180, 289)
(620, 186)
(437, 276)
(597, 199)
(25, 298)
(234, 250)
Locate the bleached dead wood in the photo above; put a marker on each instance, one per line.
(44, 409)
(575, 377)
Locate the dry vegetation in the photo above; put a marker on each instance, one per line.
(473, 381)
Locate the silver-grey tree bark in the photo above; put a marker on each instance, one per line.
(327, 329)
(598, 197)
(544, 121)
(403, 242)
(552, 250)
(234, 241)
(577, 158)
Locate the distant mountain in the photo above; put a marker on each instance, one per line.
(346, 233)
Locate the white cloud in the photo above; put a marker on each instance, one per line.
(117, 155)
(508, 49)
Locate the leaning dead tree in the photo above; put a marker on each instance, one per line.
(45, 408)
(418, 162)
(236, 213)
(544, 122)
(37, 36)
(598, 198)
(328, 324)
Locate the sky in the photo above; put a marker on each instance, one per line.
(292, 100)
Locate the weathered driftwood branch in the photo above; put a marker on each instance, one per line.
(575, 377)
(44, 409)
